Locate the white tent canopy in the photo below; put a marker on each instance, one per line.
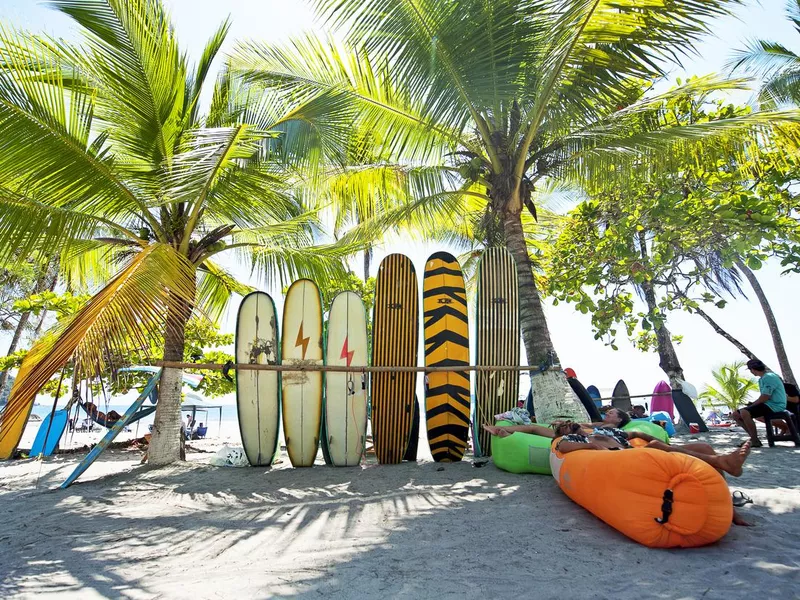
(195, 404)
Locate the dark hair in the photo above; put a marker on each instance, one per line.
(635, 406)
(624, 418)
(756, 365)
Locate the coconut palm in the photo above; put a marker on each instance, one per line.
(732, 389)
(778, 65)
(107, 162)
(501, 97)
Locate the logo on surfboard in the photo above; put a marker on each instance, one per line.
(347, 353)
(302, 341)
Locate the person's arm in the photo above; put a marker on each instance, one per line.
(761, 399)
(566, 447)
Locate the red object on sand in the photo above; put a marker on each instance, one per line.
(570, 373)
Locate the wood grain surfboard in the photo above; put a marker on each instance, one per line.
(395, 333)
(446, 324)
(497, 341)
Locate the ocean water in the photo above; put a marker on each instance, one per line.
(229, 413)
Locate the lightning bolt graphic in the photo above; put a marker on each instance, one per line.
(301, 341)
(347, 353)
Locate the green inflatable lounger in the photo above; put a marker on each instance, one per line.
(649, 428)
(521, 452)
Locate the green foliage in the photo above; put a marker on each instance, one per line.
(64, 305)
(675, 234)
(731, 389)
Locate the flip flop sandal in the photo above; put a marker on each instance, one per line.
(740, 499)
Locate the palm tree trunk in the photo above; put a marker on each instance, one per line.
(23, 322)
(668, 358)
(367, 262)
(166, 443)
(552, 396)
(777, 341)
(716, 327)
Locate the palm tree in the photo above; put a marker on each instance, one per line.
(778, 65)
(731, 390)
(500, 97)
(107, 162)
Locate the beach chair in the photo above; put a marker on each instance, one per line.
(200, 433)
(773, 436)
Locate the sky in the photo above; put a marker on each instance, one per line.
(701, 349)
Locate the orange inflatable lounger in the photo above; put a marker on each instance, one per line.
(660, 499)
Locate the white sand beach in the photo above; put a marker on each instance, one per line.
(421, 530)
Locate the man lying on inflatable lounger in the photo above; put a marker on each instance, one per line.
(578, 436)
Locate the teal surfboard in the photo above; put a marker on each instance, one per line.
(49, 434)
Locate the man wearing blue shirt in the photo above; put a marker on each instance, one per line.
(772, 399)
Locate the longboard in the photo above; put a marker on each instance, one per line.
(447, 394)
(113, 432)
(301, 391)
(258, 392)
(586, 399)
(49, 434)
(595, 395)
(662, 400)
(621, 397)
(687, 410)
(498, 341)
(395, 333)
(346, 393)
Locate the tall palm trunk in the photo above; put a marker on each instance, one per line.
(552, 396)
(777, 341)
(668, 358)
(367, 262)
(165, 445)
(38, 288)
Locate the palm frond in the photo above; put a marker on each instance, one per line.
(126, 315)
(215, 288)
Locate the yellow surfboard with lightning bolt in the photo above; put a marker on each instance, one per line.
(301, 344)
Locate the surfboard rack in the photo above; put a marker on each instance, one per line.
(227, 367)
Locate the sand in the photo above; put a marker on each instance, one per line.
(419, 530)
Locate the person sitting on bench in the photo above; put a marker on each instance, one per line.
(772, 399)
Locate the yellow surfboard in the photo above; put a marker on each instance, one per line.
(447, 393)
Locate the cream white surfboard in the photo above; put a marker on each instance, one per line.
(302, 391)
(258, 392)
(346, 393)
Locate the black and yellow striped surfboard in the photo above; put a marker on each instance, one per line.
(497, 328)
(447, 394)
(395, 332)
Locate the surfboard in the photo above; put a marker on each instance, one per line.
(413, 437)
(345, 422)
(621, 397)
(112, 433)
(395, 333)
(595, 394)
(48, 436)
(258, 392)
(687, 410)
(498, 341)
(447, 394)
(662, 399)
(585, 398)
(301, 392)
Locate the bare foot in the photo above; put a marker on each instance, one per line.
(739, 520)
(732, 463)
(495, 430)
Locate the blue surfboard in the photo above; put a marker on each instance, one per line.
(49, 435)
(112, 433)
(594, 394)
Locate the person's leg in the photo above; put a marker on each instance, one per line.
(744, 418)
(730, 463)
(505, 430)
